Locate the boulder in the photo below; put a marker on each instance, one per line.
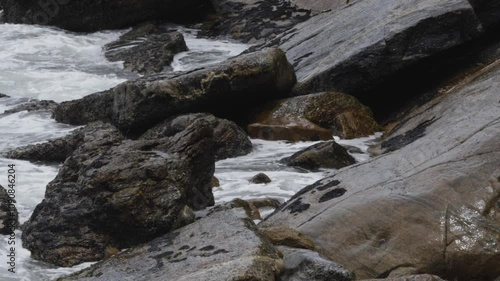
(322, 155)
(260, 178)
(422, 277)
(252, 21)
(146, 49)
(229, 139)
(431, 205)
(335, 51)
(321, 114)
(8, 213)
(487, 11)
(285, 236)
(33, 105)
(112, 193)
(57, 150)
(3, 96)
(220, 246)
(301, 264)
(135, 106)
(93, 15)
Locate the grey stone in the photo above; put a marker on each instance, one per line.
(8, 213)
(322, 155)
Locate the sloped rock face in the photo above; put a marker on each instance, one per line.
(351, 49)
(8, 213)
(116, 194)
(229, 139)
(135, 106)
(317, 116)
(221, 246)
(431, 205)
(322, 155)
(93, 15)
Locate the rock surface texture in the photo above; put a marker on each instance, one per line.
(112, 193)
(221, 246)
(322, 155)
(8, 213)
(430, 205)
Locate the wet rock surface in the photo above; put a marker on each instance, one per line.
(221, 246)
(146, 49)
(260, 178)
(285, 236)
(8, 213)
(229, 139)
(114, 193)
(322, 115)
(429, 206)
(33, 105)
(322, 155)
(136, 106)
(422, 277)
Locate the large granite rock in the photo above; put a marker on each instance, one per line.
(93, 15)
(135, 106)
(116, 194)
(221, 246)
(322, 155)
(8, 212)
(431, 205)
(317, 116)
(57, 150)
(352, 48)
(229, 139)
(146, 49)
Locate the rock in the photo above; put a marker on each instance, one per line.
(265, 203)
(334, 51)
(135, 106)
(285, 236)
(290, 129)
(8, 213)
(423, 277)
(215, 182)
(487, 11)
(3, 96)
(322, 155)
(230, 140)
(145, 49)
(308, 265)
(33, 105)
(336, 113)
(113, 193)
(252, 21)
(319, 6)
(427, 206)
(93, 15)
(221, 246)
(260, 178)
(57, 150)
(244, 208)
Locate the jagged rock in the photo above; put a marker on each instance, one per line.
(321, 114)
(3, 96)
(8, 213)
(322, 155)
(33, 105)
(145, 49)
(221, 246)
(423, 277)
(427, 206)
(135, 106)
(93, 15)
(230, 140)
(260, 178)
(308, 265)
(335, 51)
(285, 236)
(57, 150)
(253, 21)
(113, 193)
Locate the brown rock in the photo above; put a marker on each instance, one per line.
(260, 178)
(285, 236)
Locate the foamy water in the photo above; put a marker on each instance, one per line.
(47, 63)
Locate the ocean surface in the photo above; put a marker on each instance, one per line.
(52, 64)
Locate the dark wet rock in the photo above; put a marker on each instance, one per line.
(431, 206)
(321, 114)
(285, 236)
(253, 21)
(487, 11)
(422, 277)
(322, 155)
(119, 194)
(319, 6)
(135, 106)
(57, 150)
(93, 15)
(3, 96)
(229, 139)
(8, 212)
(335, 51)
(33, 105)
(145, 49)
(260, 178)
(221, 246)
(301, 264)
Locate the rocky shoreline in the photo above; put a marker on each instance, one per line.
(425, 207)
